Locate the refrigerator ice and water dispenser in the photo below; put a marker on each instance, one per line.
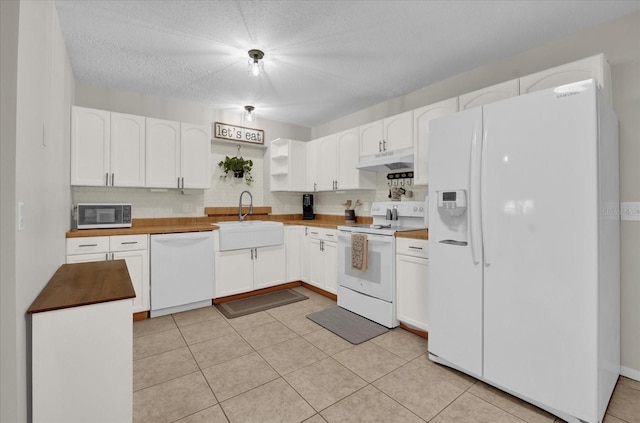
(452, 210)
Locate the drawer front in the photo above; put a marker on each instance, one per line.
(412, 247)
(128, 242)
(330, 235)
(87, 245)
(313, 232)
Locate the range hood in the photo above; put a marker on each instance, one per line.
(389, 160)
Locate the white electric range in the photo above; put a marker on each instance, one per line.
(372, 293)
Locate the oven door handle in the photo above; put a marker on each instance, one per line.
(346, 237)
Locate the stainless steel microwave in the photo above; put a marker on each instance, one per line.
(102, 215)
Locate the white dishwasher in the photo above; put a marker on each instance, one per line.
(181, 272)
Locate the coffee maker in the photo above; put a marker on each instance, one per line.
(307, 207)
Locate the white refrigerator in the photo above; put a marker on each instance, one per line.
(524, 248)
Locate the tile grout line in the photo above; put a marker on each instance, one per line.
(200, 371)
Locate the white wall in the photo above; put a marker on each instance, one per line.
(619, 40)
(9, 11)
(223, 192)
(37, 170)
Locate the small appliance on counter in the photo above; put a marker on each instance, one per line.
(103, 215)
(307, 207)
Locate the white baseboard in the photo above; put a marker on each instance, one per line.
(630, 373)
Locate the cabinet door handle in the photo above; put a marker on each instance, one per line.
(178, 182)
(252, 254)
(321, 245)
(414, 248)
(112, 256)
(88, 245)
(384, 145)
(183, 182)
(106, 179)
(315, 186)
(329, 235)
(106, 256)
(256, 253)
(128, 242)
(314, 233)
(379, 146)
(112, 179)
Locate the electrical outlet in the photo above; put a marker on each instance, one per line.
(365, 207)
(187, 207)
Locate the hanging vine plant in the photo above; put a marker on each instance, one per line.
(238, 167)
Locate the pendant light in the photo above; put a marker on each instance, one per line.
(249, 114)
(256, 66)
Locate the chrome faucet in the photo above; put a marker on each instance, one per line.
(240, 216)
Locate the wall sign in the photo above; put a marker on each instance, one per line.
(225, 131)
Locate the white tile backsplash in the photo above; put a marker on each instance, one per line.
(149, 203)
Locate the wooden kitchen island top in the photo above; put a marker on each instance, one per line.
(82, 284)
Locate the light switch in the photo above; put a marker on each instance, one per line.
(20, 215)
(630, 211)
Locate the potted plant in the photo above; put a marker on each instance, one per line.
(240, 168)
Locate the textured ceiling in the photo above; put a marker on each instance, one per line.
(323, 59)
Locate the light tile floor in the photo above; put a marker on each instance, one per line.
(279, 366)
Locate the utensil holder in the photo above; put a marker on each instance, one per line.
(350, 216)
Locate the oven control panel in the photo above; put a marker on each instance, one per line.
(402, 208)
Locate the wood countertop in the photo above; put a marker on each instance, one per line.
(199, 224)
(420, 234)
(141, 230)
(80, 284)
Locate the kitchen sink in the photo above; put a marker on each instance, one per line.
(250, 234)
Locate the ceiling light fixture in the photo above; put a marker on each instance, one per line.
(255, 65)
(250, 115)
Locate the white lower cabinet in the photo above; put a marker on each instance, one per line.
(82, 364)
(245, 270)
(323, 258)
(234, 272)
(134, 249)
(412, 282)
(294, 242)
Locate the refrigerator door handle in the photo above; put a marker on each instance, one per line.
(453, 242)
(474, 193)
(483, 198)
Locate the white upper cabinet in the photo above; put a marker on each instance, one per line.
(195, 156)
(490, 94)
(127, 150)
(90, 139)
(421, 119)
(398, 132)
(336, 157)
(389, 134)
(594, 67)
(327, 163)
(348, 156)
(107, 149)
(178, 155)
(163, 153)
(312, 166)
(371, 135)
(288, 169)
